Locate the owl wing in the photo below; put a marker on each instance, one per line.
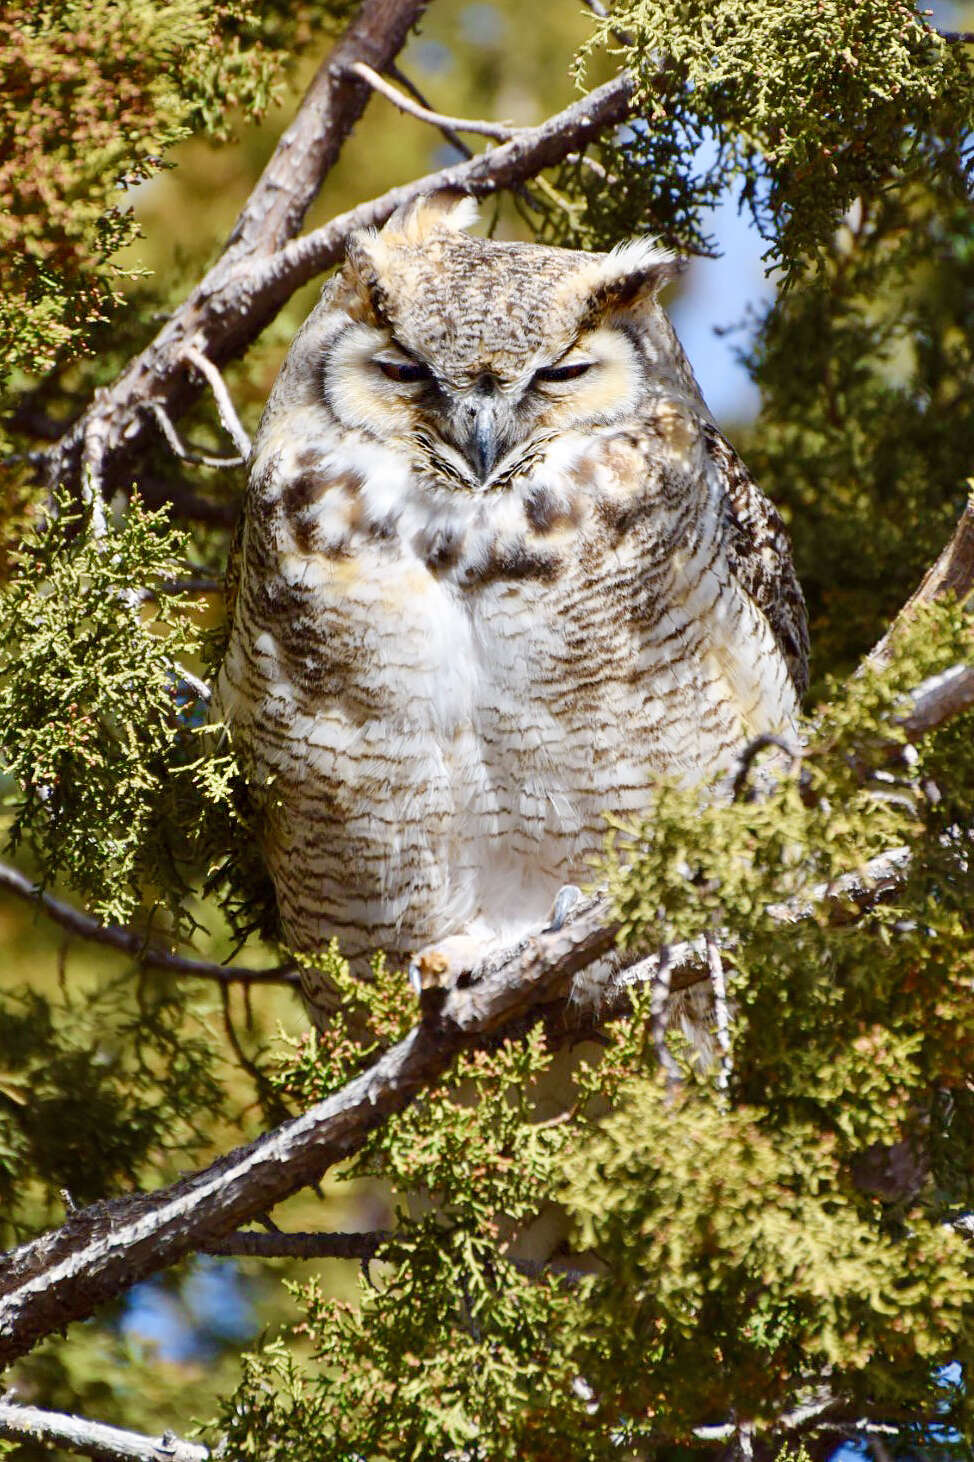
(760, 557)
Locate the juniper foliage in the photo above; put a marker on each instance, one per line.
(587, 1259)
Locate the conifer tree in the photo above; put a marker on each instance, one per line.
(768, 1256)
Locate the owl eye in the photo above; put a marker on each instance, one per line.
(564, 372)
(404, 370)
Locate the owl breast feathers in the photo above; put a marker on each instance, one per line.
(498, 572)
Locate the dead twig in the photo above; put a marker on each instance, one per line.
(232, 424)
(454, 138)
(501, 131)
(179, 448)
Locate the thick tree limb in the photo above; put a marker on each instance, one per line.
(223, 315)
(244, 290)
(129, 941)
(102, 1250)
(93, 1438)
(952, 573)
(939, 699)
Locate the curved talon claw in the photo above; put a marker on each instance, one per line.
(565, 900)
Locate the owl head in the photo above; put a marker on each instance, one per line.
(470, 354)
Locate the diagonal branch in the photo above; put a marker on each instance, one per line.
(223, 315)
(498, 130)
(129, 941)
(529, 152)
(102, 1250)
(952, 573)
(93, 1438)
(242, 293)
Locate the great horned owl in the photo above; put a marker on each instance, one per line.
(498, 571)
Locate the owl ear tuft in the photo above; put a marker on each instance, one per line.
(636, 268)
(415, 221)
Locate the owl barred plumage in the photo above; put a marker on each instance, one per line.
(498, 571)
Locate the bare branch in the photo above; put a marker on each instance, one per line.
(245, 289)
(93, 1438)
(254, 1244)
(179, 448)
(715, 965)
(228, 412)
(503, 132)
(939, 699)
(129, 941)
(454, 138)
(952, 573)
(527, 153)
(223, 314)
(200, 689)
(659, 1014)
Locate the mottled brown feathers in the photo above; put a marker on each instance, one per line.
(478, 607)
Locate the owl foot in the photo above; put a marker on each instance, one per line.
(565, 900)
(439, 966)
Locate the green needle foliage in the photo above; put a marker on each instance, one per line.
(587, 1259)
(733, 1251)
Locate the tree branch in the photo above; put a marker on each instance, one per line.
(131, 942)
(498, 130)
(454, 139)
(243, 292)
(179, 448)
(527, 153)
(93, 1438)
(223, 314)
(100, 1251)
(232, 424)
(952, 573)
(939, 699)
(256, 1244)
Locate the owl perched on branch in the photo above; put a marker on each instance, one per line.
(498, 571)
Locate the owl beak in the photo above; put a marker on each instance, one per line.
(483, 442)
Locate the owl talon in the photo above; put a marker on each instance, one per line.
(440, 966)
(565, 900)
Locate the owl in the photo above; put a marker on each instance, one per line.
(498, 571)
